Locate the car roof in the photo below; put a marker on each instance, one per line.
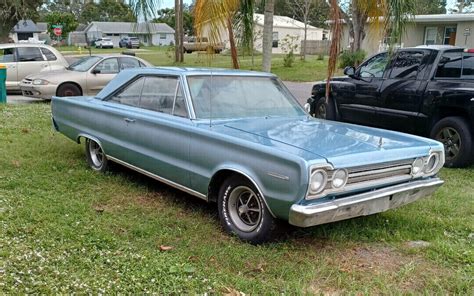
(439, 47)
(26, 44)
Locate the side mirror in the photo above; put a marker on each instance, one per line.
(95, 71)
(349, 71)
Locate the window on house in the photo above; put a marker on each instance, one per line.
(275, 39)
(162, 36)
(430, 35)
(450, 36)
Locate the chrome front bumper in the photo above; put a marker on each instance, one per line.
(362, 204)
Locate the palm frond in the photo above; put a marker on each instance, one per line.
(144, 8)
(336, 34)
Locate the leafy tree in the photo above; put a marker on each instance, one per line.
(67, 20)
(463, 6)
(167, 16)
(71, 6)
(12, 11)
(107, 11)
(430, 7)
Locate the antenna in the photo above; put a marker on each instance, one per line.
(210, 103)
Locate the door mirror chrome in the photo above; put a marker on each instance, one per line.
(349, 71)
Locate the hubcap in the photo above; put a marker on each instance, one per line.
(96, 153)
(451, 141)
(245, 209)
(322, 111)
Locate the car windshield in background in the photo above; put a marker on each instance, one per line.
(240, 97)
(84, 64)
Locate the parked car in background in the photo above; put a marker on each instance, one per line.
(87, 76)
(129, 42)
(23, 59)
(104, 43)
(240, 139)
(201, 44)
(426, 90)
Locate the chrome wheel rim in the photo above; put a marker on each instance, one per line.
(451, 141)
(96, 154)
(322, 111)
(245, 208)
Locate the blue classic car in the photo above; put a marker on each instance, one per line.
(240, 139)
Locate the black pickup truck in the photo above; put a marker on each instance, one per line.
(425, 90)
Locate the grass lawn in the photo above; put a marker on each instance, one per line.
(65, 228)
(311, 69)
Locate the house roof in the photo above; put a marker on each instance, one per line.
(459, 17)
(280, 21)
(130, 28)
(25, 26)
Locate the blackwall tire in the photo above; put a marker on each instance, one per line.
(325, 109)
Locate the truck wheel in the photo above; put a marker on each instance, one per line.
(243, 212)
(68, 90)
(456, 137)
(325, 110)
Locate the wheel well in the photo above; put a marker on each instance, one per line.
(450, 112)
(69, 82)
(216, 182)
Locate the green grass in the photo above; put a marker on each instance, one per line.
(65, 228)
(311, 69)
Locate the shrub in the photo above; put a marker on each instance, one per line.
(289, 59)
(348, 58)
(320, 57)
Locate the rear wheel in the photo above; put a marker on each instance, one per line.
(96, 157)
(325, 109)
(456, 137)
(242, 211)
(68, 90)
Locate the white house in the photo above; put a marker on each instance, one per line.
(148, 33)
(26, 29)
(285, 31)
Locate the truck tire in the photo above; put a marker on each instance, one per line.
(325, 110)
(456, 137)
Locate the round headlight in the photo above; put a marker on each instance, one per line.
(307, 107)
(417, 166)
(432, 163)
(318, 181)
(339, 179)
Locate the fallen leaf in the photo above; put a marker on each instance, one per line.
(166, 248)
(25, 130)
(16, 163)
(99, 210)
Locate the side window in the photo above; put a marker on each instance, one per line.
(49, 54)
(7, 55)
(29, 54)
(468, 66)
(449, 65)
(131, 94)
(159, 94)
(108, 66)
(407, 64)
(374, 67)
(126, 63)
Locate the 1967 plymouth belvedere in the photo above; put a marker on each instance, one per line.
(241, 139)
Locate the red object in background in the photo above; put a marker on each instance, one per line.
(58, 31)
(469, 50)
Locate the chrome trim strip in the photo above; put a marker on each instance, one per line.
(363, 204)
(278, 176)
(379, 171)
(161, 179)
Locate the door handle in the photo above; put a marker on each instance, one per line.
(129, 120)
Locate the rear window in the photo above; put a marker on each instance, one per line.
(456, 65)
(49, 54)
(7, 55)
(134, 38)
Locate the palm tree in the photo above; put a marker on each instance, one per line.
(268, 35)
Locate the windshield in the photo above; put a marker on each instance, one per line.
(84, 64)
(241, 97)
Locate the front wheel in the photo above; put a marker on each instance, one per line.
(242, 211)
(96, 157)
(456, 137)
(325, 109)
(68, 90)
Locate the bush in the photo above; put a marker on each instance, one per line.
(348, 58)
(289, 59)
(320, 57)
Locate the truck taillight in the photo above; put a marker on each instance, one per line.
(469, 50)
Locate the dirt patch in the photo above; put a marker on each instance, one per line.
(377, 259)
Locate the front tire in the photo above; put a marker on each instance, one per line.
(96, 157)
(325, 109)
(456, 137)
(242, 211)
(68, 90)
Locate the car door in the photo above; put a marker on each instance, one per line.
(358, 103)
(30, 61)
(101, 74)
(402, 91)
(8, 58)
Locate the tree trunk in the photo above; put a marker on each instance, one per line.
(359, 19)
(177, 38)
(4, 32)
(181, 32)
(268, 36)
(303, 50)
(233, 48)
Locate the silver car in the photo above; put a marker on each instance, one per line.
(23, 59)
(86, 76)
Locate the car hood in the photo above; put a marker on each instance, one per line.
(57, 76)
(341, 144)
